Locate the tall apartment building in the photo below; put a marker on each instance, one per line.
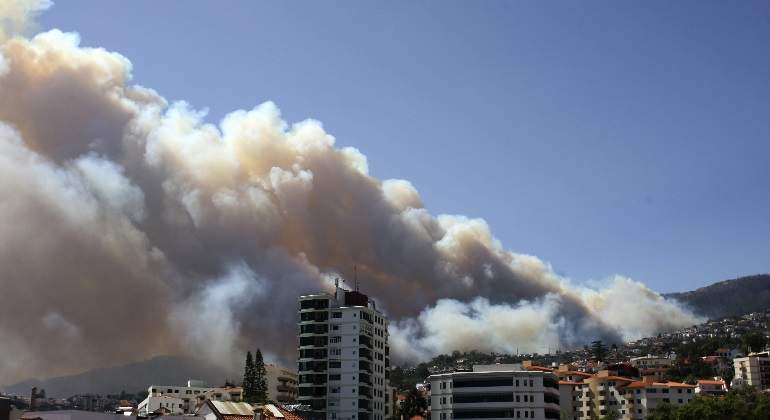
(754, 369)
(494, 392)
(343, 356)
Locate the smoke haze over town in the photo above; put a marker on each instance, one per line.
(123, 209)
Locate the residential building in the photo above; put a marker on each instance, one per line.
(162, 404)
(191, 396)
(569, 399)
(281, 384)
(494, 391)
(651, 362)
(652, 368)
(729, 353)
(602, 394)
(711, 387)
(641, 397)
(754, 370)
(343, 356)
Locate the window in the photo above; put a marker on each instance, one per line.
(517, 398)
(680, 401)
(335, 339)
(531, 382)
(336, 314)
(526, 414)
(517, 382)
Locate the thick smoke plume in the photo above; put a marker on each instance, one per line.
(131, 227)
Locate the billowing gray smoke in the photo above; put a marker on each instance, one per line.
(130, 228)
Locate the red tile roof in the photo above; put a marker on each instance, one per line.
(710, 382)
(570, 383)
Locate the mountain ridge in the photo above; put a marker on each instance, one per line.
(727, 298)
(131, 377)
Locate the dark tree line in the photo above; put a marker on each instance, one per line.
(255, 379)
(744, 403)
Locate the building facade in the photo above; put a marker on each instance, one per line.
(754, 370)
(494, 392)
(643, 397)
(343, 356)
(281, 384)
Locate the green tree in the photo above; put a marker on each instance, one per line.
(414, 404)
(260, 379)
(249, 380)
(754, 341)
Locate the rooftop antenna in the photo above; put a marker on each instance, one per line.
(355, 275)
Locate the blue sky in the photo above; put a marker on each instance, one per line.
(604, 137)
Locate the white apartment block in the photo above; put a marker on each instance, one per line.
(651, 362)
(343, 357)
(494, 392)
(604, 394)
(643, 397)
(754, 370)
(713, 387)
(281, 384)
(163, 403)
(584, 396)
(190, 396)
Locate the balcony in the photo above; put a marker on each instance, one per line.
(365, 366)
(365, 391)
(365, 341)
(285, 388)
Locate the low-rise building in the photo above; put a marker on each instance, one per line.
(712, 387)
(494, 391)
(729, 353)
(191, 396)
(650, 362)
(642, 397)
(281, 384)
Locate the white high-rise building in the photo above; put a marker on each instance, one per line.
(343, 356)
